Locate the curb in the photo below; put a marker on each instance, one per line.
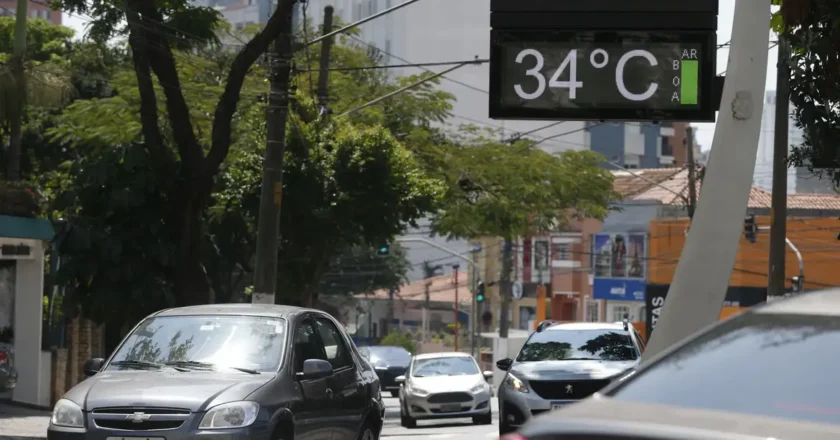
(22, 437)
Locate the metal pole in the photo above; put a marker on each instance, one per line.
(778, 204)
(692, 176)
(456, 267)
(474, 305)
(798, 257)
(362, 21)
(324, 64)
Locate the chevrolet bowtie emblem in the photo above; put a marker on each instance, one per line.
(138, 417)
(569, 389)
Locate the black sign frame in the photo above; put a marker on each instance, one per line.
(693, 19)
(706, 82)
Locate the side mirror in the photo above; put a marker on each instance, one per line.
(488, 375)
(315, 369)
(93, 366)
(504, 364)
(399, 379)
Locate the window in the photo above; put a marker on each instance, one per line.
(306, 345)
(444, 366)
(222, 341)
(786, 364)
(631, 166)
(541, 255)
(334, 346)
(665, 146)
(566, 344)
(593, 310)
(620, 312)
(526, 314)
(562, 251)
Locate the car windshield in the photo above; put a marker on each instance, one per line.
(760, 364)
(243, 342)
(389, 355)
(444, 366)
(563, 344)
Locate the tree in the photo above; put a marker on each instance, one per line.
(359, 269)
(809, 26)
(35, 77)
(183, 158)
(511, 191)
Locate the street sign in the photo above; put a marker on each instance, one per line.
(603, 60)
(516, 289)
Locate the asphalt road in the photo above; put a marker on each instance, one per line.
(460, 429)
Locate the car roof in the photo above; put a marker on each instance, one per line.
(441, 355)
(586, 326)
(824, 302)
(608, 416)
(269, 310)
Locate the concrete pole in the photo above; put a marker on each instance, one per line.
(702, 277)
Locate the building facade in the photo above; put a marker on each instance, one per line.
(34, 10)
(639, 145)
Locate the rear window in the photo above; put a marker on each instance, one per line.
(563, 344)
(769, 365)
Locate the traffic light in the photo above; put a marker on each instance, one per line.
(383, 250)
(750, 228)
(479, 293)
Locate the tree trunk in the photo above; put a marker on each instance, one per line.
(19, 93)
(505, 288)
(191, 283)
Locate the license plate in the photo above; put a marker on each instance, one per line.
(135, 438)
(554, 405)
(455, 407)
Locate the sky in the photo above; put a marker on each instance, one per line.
(704, 132)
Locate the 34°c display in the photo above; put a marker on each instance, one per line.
(602, 75)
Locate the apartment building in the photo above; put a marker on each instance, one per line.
(39, 9)
(641, 144)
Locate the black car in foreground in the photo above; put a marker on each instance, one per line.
(389, 363)
(231, 371)
(769, 372)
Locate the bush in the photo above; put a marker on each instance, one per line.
(399, 339)
(19, 199)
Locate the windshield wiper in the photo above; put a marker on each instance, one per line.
(137, 364)
(209, 366)
(578, 359)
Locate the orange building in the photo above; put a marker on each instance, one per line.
(814, 237)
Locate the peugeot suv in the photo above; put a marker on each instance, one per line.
(561, 364)
(232, 371)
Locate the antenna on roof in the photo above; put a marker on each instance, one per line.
(544, 325)
(626, 322)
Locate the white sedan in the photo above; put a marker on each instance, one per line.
(444, 386)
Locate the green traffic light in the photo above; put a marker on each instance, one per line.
(479, 298)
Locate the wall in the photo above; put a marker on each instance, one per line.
(34, 10)
(7, 294)
(815, 238)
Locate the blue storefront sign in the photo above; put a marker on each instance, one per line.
(618, 289)
(619, 269)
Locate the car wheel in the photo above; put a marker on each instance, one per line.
(395, 393)
(484, 420)
(504, 428)
(406, 421)
(368, 433)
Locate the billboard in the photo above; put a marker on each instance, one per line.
(619, 266)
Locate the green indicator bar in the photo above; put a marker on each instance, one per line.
(689, 76)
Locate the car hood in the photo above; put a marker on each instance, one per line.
(568, 370)
(193, 390)
(440, 384)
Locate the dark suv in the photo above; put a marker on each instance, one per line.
(238, 371)
(389, 363)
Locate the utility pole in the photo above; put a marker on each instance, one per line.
(324, 65)
(778, 202)
(456, 267)
(474, 315)
(387, 328)
(505, 289)
(692, 172)
(19, 76)
(268, 226)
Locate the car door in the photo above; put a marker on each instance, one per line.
(350, 401)
(312, 422)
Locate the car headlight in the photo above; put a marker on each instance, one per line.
(417, 391)
(67, 413)
(230, 415)
(479, 388)
(513, 382)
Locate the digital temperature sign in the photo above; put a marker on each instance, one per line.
(608, 75)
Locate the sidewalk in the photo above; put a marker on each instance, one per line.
(18, 423)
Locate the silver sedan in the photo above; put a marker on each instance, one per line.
(444, 386)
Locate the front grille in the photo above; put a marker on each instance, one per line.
(449, 398)
(149, 425)
(567, 390)
(140, 419)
